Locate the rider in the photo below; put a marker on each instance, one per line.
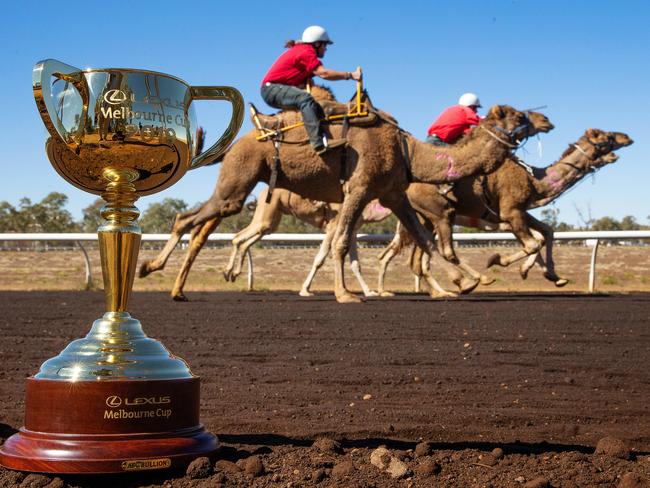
(455, 121)
(283, 85)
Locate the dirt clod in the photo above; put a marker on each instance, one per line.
(199, 468)
(633, 480)
(613, 447)
(423, 449)
(328, 446)
(35, 481)
(254, 466)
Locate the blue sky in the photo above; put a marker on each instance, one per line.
(586, 60)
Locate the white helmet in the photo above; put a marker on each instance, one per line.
(469, 100)
(315, 33)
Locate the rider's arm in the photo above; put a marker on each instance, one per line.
(330, 74)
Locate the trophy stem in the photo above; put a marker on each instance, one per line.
(119, 237)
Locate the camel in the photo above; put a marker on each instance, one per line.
(321, 215)
(380, 160)
(500, 201)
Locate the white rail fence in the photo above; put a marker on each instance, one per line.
(591, 239)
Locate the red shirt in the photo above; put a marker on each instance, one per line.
(454, 122)
(294, 66)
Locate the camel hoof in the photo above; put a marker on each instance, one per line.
(226, 275)
(487, 280)
(386, 294)
(348, 297)
(493, 260)
(179, 297)
(144, 270)
(371, 293)
(305, 293)
(442, 294)
(523, 273)
(467, 285)
(560, 282)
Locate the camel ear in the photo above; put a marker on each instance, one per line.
(593, 133)
(496, 111)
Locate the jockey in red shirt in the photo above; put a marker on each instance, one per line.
(283, 85)
(455, 122)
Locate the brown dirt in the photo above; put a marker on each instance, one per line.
(542, 377)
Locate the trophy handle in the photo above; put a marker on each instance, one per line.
(219, 93)
(41, 74)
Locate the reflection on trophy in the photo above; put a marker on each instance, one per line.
(117, 400)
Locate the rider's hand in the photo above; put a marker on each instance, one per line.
(356, 75)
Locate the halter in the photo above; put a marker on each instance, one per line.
(511, 134)
(494, 136)
(588, 169)
(596, 146)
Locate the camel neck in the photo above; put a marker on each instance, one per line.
(562, 175)
(479, 153)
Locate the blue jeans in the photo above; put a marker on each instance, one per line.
(285, 96)
(435, 140)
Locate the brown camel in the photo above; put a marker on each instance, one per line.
(321, 215)
(501, 199)
(380, 160)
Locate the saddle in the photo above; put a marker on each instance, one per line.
(335, 113)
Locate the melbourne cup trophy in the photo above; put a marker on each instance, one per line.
(116, 400)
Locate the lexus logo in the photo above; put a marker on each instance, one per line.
(114, 97)
(113, 401)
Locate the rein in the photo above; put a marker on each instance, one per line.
(494, 136)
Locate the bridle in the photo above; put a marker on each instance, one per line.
(596, 147)
(511, 134)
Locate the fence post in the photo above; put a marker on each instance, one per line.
(592, 268)
(89, 276)
(250, 269)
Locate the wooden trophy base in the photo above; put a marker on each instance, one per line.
(108, 427)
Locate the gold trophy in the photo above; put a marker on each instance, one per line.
(116, 400)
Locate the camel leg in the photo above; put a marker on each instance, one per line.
(240, 237)
(243, 249)
(528, 264)
(436, 291)
(444, 230)
(385, 258)
(420, 266)
(405, 213)
(443, 227)
(199, 237)
(320, 258)
(356, 267)
(546, 232)
(350, 212)
(521, 229)
(477, 275)
(183, 223)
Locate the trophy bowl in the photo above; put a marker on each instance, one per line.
(116, 400)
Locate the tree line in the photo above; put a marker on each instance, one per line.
(50, 215)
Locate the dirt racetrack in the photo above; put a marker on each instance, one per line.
(301, 392)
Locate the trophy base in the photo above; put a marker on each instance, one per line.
(108, 427)
(69, 454)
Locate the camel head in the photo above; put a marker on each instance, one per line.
(598, 145)
(539, 122)
(511, 124)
